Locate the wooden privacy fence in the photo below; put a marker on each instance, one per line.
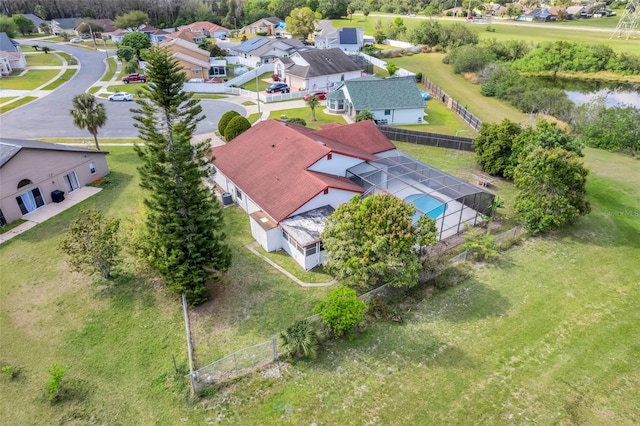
(437, 93)
(426, 138)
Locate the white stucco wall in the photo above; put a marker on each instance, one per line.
(333, 198)
(338, 164)
(400, 116)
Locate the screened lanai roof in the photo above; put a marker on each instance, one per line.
(402, 175)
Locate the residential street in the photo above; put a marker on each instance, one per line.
(49, 116)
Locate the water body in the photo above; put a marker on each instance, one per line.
(581, 92)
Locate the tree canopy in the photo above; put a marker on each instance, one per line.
(301, 21)
(25, 25)
(131, 21)
(92, 243)
(8, 26)
(372, 241)
(552, 185)
(613, 128)
(136, 40)
(184, 225)
(88, 113)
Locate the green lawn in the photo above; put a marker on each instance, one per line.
(440, 119)
(305, 114)
(17, 103)
(4, 99)
(254, 117)
(43, 59)
(462, 90)
(262, 85)
(117, 341)
(514, 30)
(129, 88)
(548, 334)
(111, 69)
(66, 76)
(31, 80)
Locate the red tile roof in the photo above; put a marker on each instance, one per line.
(206, 26)
(269, 162)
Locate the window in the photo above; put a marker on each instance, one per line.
(3, 221)
(310, 250)
(387, 112)
(238, 194)
(299, 248)
(285, 236)
(24, 182)
(196, 71)
(321, 246)
(92, 168)
(72, 181)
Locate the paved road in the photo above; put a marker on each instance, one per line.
(49, 116)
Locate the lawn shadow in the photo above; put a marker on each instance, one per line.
(468, 301)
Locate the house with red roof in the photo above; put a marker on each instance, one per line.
(207, 29)
(289, 179)
(290, 183)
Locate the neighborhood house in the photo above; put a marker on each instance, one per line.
(390, 100)
(316, 69)
(33, 174)
(11, 56)
(309, 173)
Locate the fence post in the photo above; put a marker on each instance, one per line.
(274, 341)
(185, 312)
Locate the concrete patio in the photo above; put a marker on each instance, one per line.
(48, 211)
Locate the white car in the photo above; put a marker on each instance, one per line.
(76, 40)
(121, 96)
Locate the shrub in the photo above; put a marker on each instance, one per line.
(54, 385)
(225, 119)
(469, 58)
(297, 120)
(342, 311)
(236, 127)
(364, 115)
(480, 243)
(301, 339)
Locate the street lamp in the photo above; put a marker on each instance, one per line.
(258, 92)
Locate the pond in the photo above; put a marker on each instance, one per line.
(581, 92)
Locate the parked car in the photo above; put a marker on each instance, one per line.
(278, 87)
(320, 94)
(134, 78)
(121, 96)
(76, 40)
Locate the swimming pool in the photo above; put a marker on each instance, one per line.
(426, 204)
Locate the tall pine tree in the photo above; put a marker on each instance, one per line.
(184, 237)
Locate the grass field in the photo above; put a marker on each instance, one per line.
(66, 76)
(111, 69)
(42, 59)
(305, 114)
(462, 90)
(547, 334)
(4, 99)
(589, 31)
(17, 103)
(129, 88)
(262, 84)
(31, 80)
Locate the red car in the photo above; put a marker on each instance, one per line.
(134, 78)
(321, 94)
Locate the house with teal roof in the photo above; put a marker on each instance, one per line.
(390, 100)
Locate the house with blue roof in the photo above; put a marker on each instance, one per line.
(11, 56)
(390, 100)
(265, 50)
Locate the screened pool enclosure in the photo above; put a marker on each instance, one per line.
(451, 201)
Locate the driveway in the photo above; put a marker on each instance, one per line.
(48, 117)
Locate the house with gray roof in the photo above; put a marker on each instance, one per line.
(315, 69)
(390, 100)
(265, 50)
(345, 39)
(34, 174)
(64, 25)
(37, 22)
(11, 56)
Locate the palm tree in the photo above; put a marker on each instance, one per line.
(88, 114)
(312, 103)
(301, 338)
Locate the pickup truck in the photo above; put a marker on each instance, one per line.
(134, 78)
